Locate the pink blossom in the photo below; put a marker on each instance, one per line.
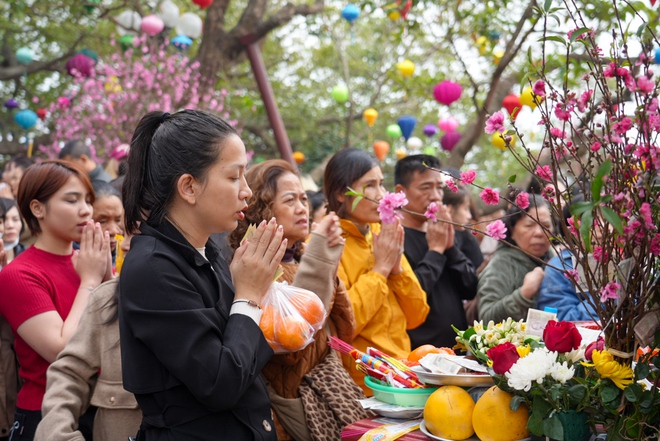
(572, 275)
(583, 101)
(522, 200)
(621, 127)
(557, 133)
(539, 88)
(595, 146)
(562, 113)
(655, 245)
(548, 193)
(610, 70)
(544, 172)
(609, 291)
(388, 206)
(431, 210)
(496, 230)
(468, 177)
(490, 196)
(495, 123)
(601, 255)
(644, 85)
(451, 185)
(645, 211)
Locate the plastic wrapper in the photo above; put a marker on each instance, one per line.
(291, 316)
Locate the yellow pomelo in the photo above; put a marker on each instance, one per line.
(448, 413)
(493, 419)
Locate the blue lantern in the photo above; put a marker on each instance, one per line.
(407, 124)
(181, 42)
(656, 58)
(350, 13)
(26, 119)
(24, 55)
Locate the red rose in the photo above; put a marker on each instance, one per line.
(597, 345)
(561, 336)
(504, 356)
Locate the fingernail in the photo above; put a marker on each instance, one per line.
(280, 228)
(272, 220)
(263, 222)
(285, 241)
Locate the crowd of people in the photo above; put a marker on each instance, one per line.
(170, 347)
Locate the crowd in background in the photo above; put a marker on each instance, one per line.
(164, 338)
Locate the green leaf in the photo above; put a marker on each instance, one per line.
(547, 5)
(580, 207)
(552, 428)
(586, 224)
(516, 401)
(510, 132)
(352, 192)
(630, 395)
(597, 184)
(609, 393)
(641, 371)
(640, 30)
(553, 38)
(356, 201)
(512, 179)
(576, 394)
(613, 218)
(576, 33)
(646, 400)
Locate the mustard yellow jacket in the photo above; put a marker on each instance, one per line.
(384, 307)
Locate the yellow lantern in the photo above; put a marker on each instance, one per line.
(299, 157)
(482, 44)
(498, 140)
(497, 56)
(112, 86)
(401, 153)
(528, 98)
(406, 68)
(370, 116)
(394, 15)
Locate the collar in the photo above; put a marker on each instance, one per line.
(166, 232)
(351, 230)
(289, 254)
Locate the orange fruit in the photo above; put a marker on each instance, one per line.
(292, 332)
(267, 323)
(299, 157)
(448, 413)
(491, 410)
(309, 306)
(424, 350)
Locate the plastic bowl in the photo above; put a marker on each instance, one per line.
(399, 396)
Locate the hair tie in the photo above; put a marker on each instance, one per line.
(163, 116)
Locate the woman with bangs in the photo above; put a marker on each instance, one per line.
(46, 288)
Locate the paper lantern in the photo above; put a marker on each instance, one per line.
(203, 3)
(350, 13)
(126, 41)
(497, 57)
(370, 116)
(528, 98)
(656, 56)
(41, 113)
(11, 104)
(394, 15)
(299, 157)
(494, 36)
(393, 131)
(448, 124)
(482, 45)
(406, 68)
(400, 154)
(63, 102)
(181, 42)
(128, 22)
(498, 141)
(414, 143)
(407, 124)
(152, 25)
(24, 55)
(340, 93)
(89, 54)
(169, 13)
(512, 105)
(190, 25)
(447, 92)
(80, 65)
(430, 150)
(449, 141)
(26, 119)
(430, 130)
(381, 149)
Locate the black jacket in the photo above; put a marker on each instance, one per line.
(448, 279)
(193, 368)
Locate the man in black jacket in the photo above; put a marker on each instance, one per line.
(433, 251)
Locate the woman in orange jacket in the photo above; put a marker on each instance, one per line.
(386, 297)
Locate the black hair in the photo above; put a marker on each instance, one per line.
(315, 199)
(103, 189)
(163, 148)
(405, 168)
(344, 168)
(75, 149)
(118, 183)
(515, 213)
(20, 161)
(455, 199)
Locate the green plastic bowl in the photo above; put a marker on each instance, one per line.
(399, 396)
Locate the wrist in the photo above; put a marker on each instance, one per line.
(438, 249)
(248, 302)
(91, 282)
(382, 271)
(396, 272)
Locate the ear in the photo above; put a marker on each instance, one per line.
(188, 188)
(341, 197)
(37, 208)
(399, 187)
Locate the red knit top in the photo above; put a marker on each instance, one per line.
(33, 283)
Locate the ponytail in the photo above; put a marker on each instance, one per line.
(165, 147)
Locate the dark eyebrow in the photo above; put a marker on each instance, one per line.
(73, 193)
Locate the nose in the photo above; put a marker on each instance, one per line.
(380, 192)
(246, 191)
(436, 195)
(301, 206)
(114, 228)
(86, 210)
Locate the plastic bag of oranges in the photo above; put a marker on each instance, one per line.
(291, 316)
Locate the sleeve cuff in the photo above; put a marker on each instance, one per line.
(245, 309)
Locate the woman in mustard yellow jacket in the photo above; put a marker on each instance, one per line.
(386, 297)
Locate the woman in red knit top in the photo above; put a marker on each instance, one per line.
(46, 288)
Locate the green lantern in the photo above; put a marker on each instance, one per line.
(340, 93)
(394, 131)
(126, 41)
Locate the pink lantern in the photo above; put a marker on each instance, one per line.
(449, 141)
(82, 65)
(152, 25)
(448, 124)
(447, 92)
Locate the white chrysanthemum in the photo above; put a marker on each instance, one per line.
(535, 367)
(562, 372)
(576, 355)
